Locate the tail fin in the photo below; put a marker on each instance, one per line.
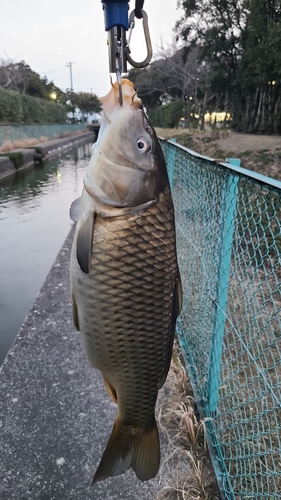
(123, 451)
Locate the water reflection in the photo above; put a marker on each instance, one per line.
(34, 222)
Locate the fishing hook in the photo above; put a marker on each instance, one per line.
(118, 77)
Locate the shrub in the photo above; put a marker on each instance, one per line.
(18, 108)
(16, 158)
(167, 115)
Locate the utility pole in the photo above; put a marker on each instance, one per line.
(69, 65)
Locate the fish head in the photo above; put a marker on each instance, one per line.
(128, 167)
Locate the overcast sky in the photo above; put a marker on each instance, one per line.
(49, 34)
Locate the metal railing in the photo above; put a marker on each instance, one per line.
(12, 133)
(229, 251)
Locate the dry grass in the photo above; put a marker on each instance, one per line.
(192, 481)
(248, 418)
(247, 405)
(260, 153)
(187, 472)
(27, 142)
(21, 143)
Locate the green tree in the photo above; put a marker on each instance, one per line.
(259, 83)
(216, 26)
(19, 77)
(239, 40)
(87, 103)
(167, 115)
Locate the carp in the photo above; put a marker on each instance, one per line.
(125, 280)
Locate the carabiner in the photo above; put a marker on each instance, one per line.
(138, 8)
(145, 62)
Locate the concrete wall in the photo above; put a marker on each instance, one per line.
(49, 148)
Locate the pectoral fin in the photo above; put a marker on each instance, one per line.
(74, 209)
(84, 242)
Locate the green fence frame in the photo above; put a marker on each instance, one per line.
(229, 251)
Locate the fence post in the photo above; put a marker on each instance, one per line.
(227, 216)
(171, 162)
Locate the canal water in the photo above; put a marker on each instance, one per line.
(34, 222)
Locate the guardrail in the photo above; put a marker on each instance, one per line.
(229, 251)
(12, 133)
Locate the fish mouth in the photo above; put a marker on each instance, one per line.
(110, 101)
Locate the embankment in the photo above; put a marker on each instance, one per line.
(11, 162)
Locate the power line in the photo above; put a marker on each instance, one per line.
(93, 89)
(51, 70)
(85, 89)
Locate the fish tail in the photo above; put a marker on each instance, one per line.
(146, 454)
(123, 451)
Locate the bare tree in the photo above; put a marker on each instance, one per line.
(14, 75)
(177, 73)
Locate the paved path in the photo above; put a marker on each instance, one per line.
(55, 415)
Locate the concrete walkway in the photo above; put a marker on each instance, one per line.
(55, 415)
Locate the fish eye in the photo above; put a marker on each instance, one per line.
(143, 145)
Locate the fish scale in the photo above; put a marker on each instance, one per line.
(125, 328)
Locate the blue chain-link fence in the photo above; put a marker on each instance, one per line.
(12, 133)
(229, 250)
